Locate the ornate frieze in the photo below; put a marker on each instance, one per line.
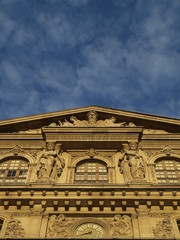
(160, 214)
(92, 153)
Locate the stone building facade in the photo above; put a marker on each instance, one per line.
(91, 172)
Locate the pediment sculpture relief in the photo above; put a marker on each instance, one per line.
(154, 131)
(121, 226)
(92, 121)
(50, 163)
(58, 226)
(133, 163)
(14, 229)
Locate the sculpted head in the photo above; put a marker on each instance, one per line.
(113, 119)
(50, 146)
(73, 119)
(117, 217)
(92, 116)
(133, 145)
(125, 147)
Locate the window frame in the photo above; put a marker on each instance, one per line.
(100, 173)
(168, 170)
(16, 175)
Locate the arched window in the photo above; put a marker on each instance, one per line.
(168, 171)
(91, 172)
(13, 170)
(1, 224)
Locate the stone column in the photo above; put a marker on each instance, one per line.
(135, 225)
(144, 223)
(43, 227)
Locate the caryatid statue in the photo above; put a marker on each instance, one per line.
(50, 162)
(133, 162)
(124, 164)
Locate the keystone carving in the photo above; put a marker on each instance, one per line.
(14, 229)
(50, 163)
(133, 163)
(58, 226)
(163, 229)
(92, 122)
(121, 226)
(167, 150)
(91, 152)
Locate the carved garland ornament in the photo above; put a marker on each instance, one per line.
(163, 229)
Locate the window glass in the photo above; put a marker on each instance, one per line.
(168, 171)
(91, 172)
(178, 224)
(1, 224)
(13, 170)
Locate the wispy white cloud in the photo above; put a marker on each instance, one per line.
(62, 54)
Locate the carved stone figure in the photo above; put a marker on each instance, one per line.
(65, 124)
(121, 226)
(58, 226)
(78, 123)
(50, 163)
(154, 131)
(14, 229)
(137, 159)
(163, 229)
(110, 122)
(124, 164)
(133, 162)
(92, 118)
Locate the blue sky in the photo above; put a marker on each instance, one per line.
(63, 54)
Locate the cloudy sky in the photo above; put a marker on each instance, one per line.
(63, 54)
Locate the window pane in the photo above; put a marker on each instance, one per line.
(178, 223)
(12, 170)
(91, 172)
(168, 171)
(1, 224)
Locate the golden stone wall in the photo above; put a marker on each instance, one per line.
(43, 199)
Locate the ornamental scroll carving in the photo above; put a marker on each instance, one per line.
(163, 229)
(121, 226)
(50, 163)
(14, 229)
(92, 121)
(58, 226)
(133, 163)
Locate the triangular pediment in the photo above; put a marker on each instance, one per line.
(121, 118)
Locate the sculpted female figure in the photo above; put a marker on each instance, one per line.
(124, 164)
(50, 162)
(137, 162)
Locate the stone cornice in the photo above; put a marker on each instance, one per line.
(23, 136)
(160, 136)
(95, 108)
